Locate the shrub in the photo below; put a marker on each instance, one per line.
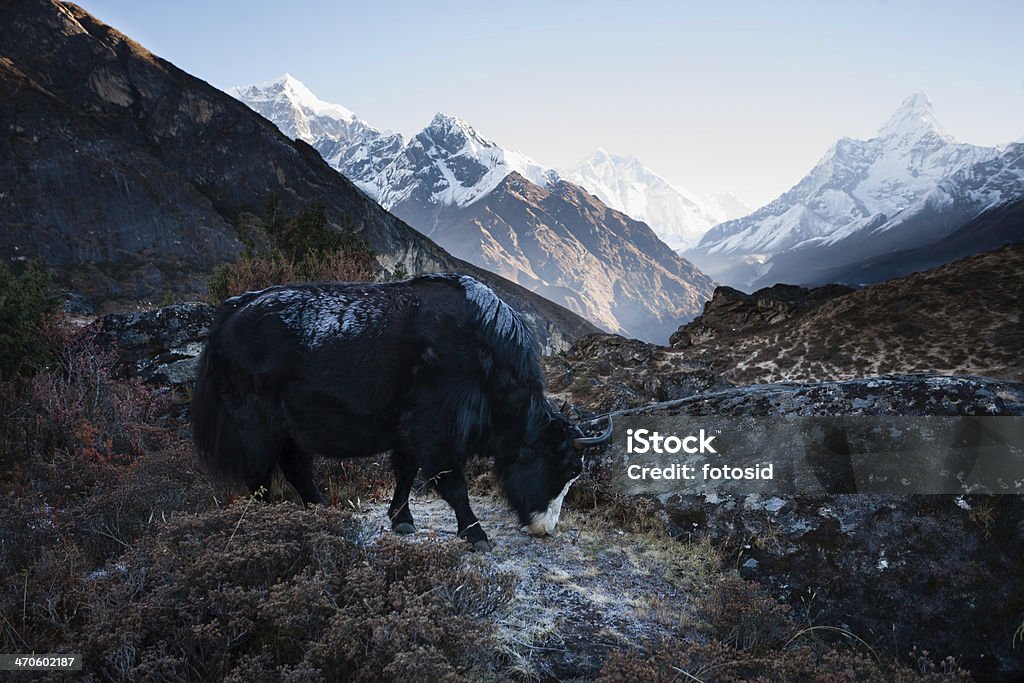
(740, 614)
(78, 404)
(254, 592)
(24, 306)
(301, 249)
(259, 271)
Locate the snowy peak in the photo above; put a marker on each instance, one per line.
(455, 136)
(857, 184)
(297, 92)
(864, 193)
(445, 125)
(449, 163)
(349, 144)
(677, 215)
(914, 118)
(296, 110)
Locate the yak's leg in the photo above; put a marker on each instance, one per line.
(259, 484)
(298, 470)
(451, 484)
(404, 466)
(261, 448)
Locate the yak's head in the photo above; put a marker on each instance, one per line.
(537, 481)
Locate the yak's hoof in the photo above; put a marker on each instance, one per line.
(483, 546)
(404, 528)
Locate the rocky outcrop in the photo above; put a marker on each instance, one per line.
(939, 573)
(562, 242)
(885, 395)
(131, 177)
(161, 346)
(733, 311)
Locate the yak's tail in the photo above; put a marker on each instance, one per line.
(229, 430)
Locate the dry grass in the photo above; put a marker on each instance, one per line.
(961, 318)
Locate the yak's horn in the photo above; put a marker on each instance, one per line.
(585, 441)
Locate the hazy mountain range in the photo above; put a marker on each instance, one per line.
(679, 216)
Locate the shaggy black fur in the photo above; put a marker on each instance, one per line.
(434, 369)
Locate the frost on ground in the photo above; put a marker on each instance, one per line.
(583, 593)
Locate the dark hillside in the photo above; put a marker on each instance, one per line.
(132, 177)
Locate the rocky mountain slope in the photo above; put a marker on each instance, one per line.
(909, 186)
(993, 228)
(132, 177)
(962, 318)
(677, 215)
(959, 318)
(502, 211)
(563, 243)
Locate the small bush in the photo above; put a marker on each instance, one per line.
(76, 406)
(740, 614)
(256, 592)
(301, 249)
(25, 304)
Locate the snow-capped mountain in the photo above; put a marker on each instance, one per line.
(677, 215)
(933, 230)
(502, 211)
(449, 164)
(349, 144)
(858, 186)
(446, 164)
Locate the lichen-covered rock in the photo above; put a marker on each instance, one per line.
(887, 395)
(942, 573)
(161, 346)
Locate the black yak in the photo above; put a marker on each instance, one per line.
(433, 369)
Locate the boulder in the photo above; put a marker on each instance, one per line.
(161, 346)
(939, 572)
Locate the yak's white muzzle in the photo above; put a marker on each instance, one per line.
(544, 523)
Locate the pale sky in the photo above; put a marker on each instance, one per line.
(716, 96)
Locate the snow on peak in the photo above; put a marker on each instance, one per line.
(914, 117)
(468, 166)
(288, 90)
(447, 123)
(677, 215)
(857, 185)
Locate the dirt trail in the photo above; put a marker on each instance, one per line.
(581, 593)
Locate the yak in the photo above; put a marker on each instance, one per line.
(434, 369)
